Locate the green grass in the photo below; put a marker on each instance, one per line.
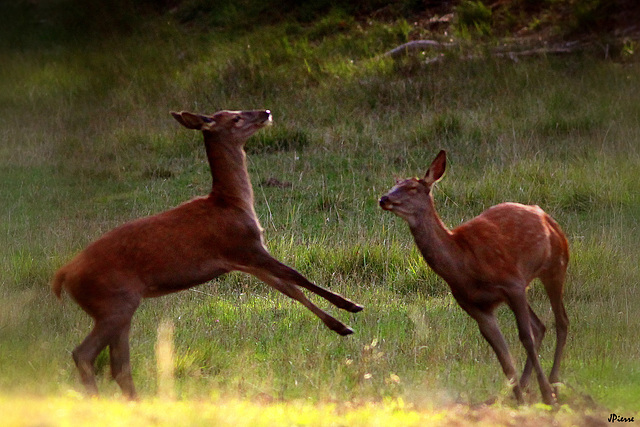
(87, 143)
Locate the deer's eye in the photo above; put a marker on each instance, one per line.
(236, 119)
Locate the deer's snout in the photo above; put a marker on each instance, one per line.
(266, 116)
(385, 203)
(258, 117)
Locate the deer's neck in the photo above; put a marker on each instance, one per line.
(229, 176)
(436, 244)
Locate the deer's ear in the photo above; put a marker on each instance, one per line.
(193, 121)
(436, 170)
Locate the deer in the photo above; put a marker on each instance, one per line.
(175, 250)
(490, 260)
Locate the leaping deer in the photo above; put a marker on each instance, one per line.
(180, 248)
(489, 260)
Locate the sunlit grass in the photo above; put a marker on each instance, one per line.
(72, 409)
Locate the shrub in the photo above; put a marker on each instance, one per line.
(473, 17)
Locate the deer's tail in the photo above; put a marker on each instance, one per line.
(58, 282)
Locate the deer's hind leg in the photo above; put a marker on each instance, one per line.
(120, 360)
(112, 318)
(553, 284)
(84, 356)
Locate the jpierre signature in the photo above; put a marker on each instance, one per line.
(613, 418)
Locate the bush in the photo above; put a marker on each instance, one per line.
(473, 17)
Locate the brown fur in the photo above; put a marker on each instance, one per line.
(180, 248)
(491, 260)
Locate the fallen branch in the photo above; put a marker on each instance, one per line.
(514, 55)
(422, 45)
(405, 48)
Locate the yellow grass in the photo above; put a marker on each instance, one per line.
(76, 410)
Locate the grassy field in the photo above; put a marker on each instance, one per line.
(87, 143)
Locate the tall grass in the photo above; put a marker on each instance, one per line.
(87, 143)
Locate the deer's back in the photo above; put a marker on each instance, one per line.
(509, 239)
(163, 253)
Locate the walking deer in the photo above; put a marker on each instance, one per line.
(489, 260)
(174, 250)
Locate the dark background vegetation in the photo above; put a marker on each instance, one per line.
(28, 24)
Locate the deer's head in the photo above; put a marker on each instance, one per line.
(410, 197)
(234, 125)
